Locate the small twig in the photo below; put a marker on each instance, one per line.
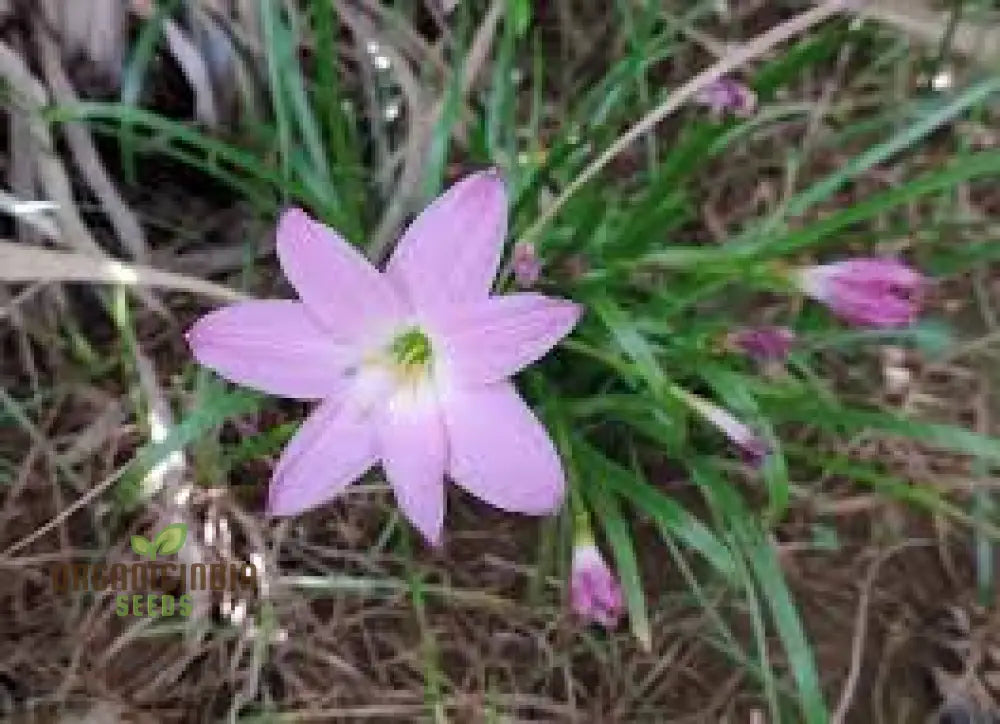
(50, 171)
(19, 263)
(81, 145)
(22, 212)
(196, 70)
(81, 502)
(861, 628)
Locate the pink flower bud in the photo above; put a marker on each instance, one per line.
(595, 594)
(753, 449)
(726, 95)
(869, 292)
(527, 266)
(763, 344)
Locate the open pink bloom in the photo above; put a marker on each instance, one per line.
(411, 364)
(870, 292)
(763, 344)
(726, 95)
(594, 593)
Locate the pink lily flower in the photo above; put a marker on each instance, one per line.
(594, 592)
(870, 292)
(411, 364)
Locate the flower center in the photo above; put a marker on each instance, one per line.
(411, 354)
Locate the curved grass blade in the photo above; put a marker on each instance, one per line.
(670, 517)
(986, 163)
(616, 530)
(931, 121)
(817, 412)
(771, 581)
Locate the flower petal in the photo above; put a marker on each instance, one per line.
(491, 340)
(413, 450)
(274, 346)
(347, 295)
(500, 452)
(334, 446)
(452, 250)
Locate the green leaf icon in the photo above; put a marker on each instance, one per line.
(170, 539)
(141, 546)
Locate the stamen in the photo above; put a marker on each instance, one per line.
(411, 355)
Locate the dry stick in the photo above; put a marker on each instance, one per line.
(195, 69)
(20, 263)
(19, 209)
(8, 306)
(62, 516)
(51, 173)
(96, 29)
(738, 55)
(22, 149)
(81, 145)
(31, 96)
(193, 65)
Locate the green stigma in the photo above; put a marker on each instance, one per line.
(411, 350)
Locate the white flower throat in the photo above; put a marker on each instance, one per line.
(404, 364)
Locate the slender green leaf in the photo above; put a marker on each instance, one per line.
(767, 570)
(668, 515)
(616, 529)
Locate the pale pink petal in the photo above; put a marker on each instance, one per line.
(500, 452)
(274, 346)
(334, 447)
(413, 450)
(490, 340)
(452, 250)
(347, 295)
